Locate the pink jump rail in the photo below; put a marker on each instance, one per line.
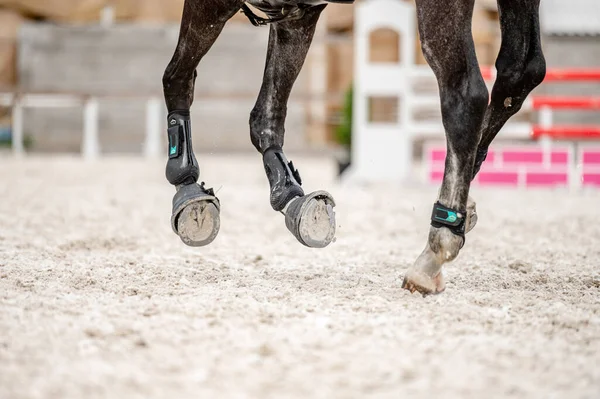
(566, 132)
(589, 164)
(513, 166)
(539, 166)
(526, 166)
(564, 102)
(520, 177)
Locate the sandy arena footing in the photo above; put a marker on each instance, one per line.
(99, 299)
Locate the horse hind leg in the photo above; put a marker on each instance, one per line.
(310, 218)
(195, 214)
(521, 68)
(520, 65)
(449, 49)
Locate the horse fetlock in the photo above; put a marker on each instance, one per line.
(445, 243)
(284, 178)
(182, 166)
(266, 128)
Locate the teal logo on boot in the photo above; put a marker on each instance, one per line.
(173, 150)
(451, 217)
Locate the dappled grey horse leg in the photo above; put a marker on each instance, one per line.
(448, 47)
(309, 217)
(195, 215)
(521, 68)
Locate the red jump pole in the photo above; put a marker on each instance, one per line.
(572, 74)
(556, 74)
(562, 102)
(566, 132)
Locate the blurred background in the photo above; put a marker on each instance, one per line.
(99, 298)
(115, 51)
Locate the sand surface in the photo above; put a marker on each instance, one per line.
(99, 299)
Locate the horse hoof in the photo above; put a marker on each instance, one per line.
(423, 284)
(198, 223)
(195, 216)
(311, 219)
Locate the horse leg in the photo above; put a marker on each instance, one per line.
(195, 216)
(448, 47)
(309, 217)
(520, 65)
(521, 68)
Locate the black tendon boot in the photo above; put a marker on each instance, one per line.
(310, 218)
(195, 218)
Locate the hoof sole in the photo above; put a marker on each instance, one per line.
(195, 217)
(317, 224)
(198, 224)
(312, 219)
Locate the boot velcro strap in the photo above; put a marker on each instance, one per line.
(291, 172)
(454, 220)
(283, 177)
(295, 172)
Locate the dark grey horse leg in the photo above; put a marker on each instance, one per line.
(195, 216)
(309, 217)
(521, 68)
(445, 31)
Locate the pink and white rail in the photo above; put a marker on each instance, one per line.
(527, 166)
(382, 150)
(575, 162)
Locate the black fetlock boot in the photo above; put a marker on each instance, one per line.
(195, 217)
(310, 218)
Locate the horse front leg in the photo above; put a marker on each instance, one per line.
(310, 218)
(449, 50)
(195, 215)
